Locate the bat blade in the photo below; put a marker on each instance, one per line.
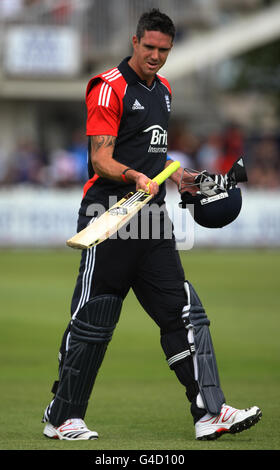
(109, 223)
(118, 215)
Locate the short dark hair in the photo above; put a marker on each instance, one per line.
(154, 20)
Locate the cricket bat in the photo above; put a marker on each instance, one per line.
(119, 214)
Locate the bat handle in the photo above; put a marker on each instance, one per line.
(161, 177)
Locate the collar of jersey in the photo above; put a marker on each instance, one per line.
(130, 76)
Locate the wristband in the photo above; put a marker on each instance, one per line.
(123, 174)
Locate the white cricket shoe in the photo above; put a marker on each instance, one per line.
(73, 429)
(230, 420)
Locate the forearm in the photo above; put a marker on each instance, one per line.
(184, 180)
(104, 165)
(177, 176)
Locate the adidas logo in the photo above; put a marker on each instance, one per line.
(137, 105)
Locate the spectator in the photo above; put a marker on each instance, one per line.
(62, 170)
(180, 139)
(209, 153)
(25, 164)
(264, 164)
(79, 149)
(233, 146)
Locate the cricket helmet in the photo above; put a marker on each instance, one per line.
(215, 211)
(218, 201)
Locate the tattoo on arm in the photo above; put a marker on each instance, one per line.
(98, 141)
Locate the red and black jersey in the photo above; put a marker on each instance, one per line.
(120, 104)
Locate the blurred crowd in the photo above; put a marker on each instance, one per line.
(59, 167)
(31, 162)
(216, 152)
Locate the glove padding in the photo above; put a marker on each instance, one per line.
(207, 184)
(210, 185)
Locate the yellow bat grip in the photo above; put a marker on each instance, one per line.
(163, 175)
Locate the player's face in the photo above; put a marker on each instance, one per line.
(150, 54)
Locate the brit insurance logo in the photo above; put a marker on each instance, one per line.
(158, 142)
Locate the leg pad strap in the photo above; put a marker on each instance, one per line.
(178, 354)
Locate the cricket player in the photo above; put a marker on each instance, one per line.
(128, 109)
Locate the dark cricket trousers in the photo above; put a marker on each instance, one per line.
(150, 266)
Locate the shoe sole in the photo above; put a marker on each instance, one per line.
(69, 439)
(51, 434)
(235, 428)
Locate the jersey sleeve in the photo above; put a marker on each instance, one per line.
(103, 110)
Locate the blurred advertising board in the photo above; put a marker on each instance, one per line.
(48, 217)
(47, 51)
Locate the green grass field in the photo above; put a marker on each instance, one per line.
(137, 402)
